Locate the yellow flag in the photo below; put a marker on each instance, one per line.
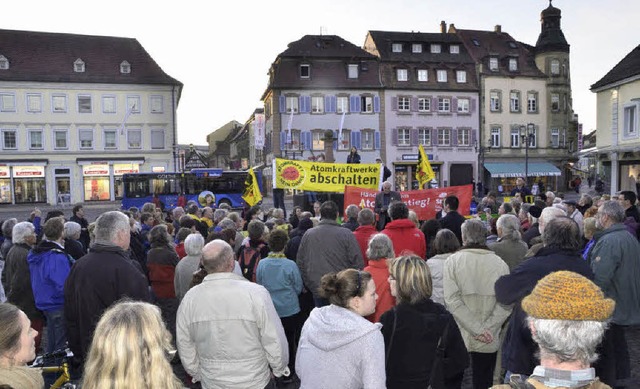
(251, 195)
(424, 173)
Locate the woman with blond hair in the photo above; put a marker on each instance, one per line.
(130, 349)
(17, 347)
(419, 333)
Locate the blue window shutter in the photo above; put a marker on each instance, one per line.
(306, 136)
(376, 104)
(454, 104)
(283, 104)
(307, 103)
(336, 140)
(353, 103)
(358, 104)
(394, 137)
(353, 139)
(357, 143)
(334, 103)
(283, 139)
(302, 106)
(377, 140)
(454, 137)
(327, 103)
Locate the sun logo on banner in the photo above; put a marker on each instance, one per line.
(290, 174)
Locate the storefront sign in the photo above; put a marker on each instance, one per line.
(158, 169)
(426, 203)
(414, 157)
(125, 168)
(324, 177)
(95, 170)
(28, 171)
(4, 171)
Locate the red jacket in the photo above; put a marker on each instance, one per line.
(405, 236)
(380, 274)
(363, 234)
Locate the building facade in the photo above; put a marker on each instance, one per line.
(322, 83)
(77, 112)
(430, 98)
(527, 122)
(617, 152)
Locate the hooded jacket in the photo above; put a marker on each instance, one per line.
(340, 349)
(405, 236)
(49, 266)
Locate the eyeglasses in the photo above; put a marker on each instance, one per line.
(359, 284)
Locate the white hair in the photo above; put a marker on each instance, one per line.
(21, 231)
(72, 230)
(193, 244)
(510, 226)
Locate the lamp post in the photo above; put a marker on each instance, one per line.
(527, 133)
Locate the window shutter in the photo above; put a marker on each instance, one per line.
(353, 103)
(334, 103)
(434, 137)
(472, 105)
(283, 104)
(357, 143)
(353, 140)
(306, 104)
(414, 104)
(394, 137)
(454, 137)
(394, 103)
(414, 136)
(358, 104)
(376, 104)
(327, 104)
(454, 104)
(304, 139)
(336, 140)
(474, 136)
(434, 104)
(283, 139)
(377, 140)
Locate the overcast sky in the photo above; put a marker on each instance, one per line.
(222, 50)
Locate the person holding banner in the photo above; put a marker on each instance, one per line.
(383, 199)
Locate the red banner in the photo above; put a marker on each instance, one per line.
(426, 203)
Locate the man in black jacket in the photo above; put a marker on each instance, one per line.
(99, 279)
(383, 200)
(452, 220)
(561, 238)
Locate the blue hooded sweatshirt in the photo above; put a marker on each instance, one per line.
(49, 266)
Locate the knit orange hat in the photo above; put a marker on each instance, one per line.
(566, 295)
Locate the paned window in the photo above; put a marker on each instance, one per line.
(60, 139)
(493, 64)
(464, 137)
(317, 142)
(631, 120)
(555, 67)
(404, 137)
(34, 102)
(292, 104)
(342, 104)
(513, 64)
(108, 104)
(494, 99)
(35, 140)
(402, 75)
(454, 49)
(110, 139)
(7, 102)
(424, 136)
(515, 137)
(9, 140)
(444, 137)
(436, 48)
(84, 103)
(463, 105)
(134, 138)
(442, 76)
(305, 71)
(367, 141)
(317, 104)
(495, 137)
(416, 48)
(133, 104)
(404, 104)
(366, 104)
(423, 75)
(461, 76)
(424, 104)
(86, 139)
(444, 104)
(396, 47)
(353, 70)
(514, 101)
(555, 102)
(59, 102)
(555, 137)
(532, 102)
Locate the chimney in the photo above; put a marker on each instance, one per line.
(498, 29)
(443, 27)
(452, 28)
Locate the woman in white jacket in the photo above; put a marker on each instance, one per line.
(339, 348)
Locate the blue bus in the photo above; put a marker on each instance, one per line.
(207, 187)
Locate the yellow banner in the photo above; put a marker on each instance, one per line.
(324, 177)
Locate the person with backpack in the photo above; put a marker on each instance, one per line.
(252, 251)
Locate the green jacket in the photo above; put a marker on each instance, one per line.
(615, 260)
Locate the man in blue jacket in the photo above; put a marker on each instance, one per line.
(49, 266)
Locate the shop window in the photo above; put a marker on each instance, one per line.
(96, 188)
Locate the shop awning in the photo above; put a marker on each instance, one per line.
(516, 169)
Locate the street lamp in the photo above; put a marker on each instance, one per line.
(528, 135)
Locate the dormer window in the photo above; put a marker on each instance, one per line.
(4, 63)
(436, 48)
(454, 49)
(416, 48)
(78, 66)
(353, 71)
(396, 47)
(125, 67)
(513, 64)
(305, 71)
(493, 64)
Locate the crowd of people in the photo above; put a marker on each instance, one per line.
(545, 294)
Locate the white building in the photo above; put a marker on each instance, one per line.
(77, 112)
